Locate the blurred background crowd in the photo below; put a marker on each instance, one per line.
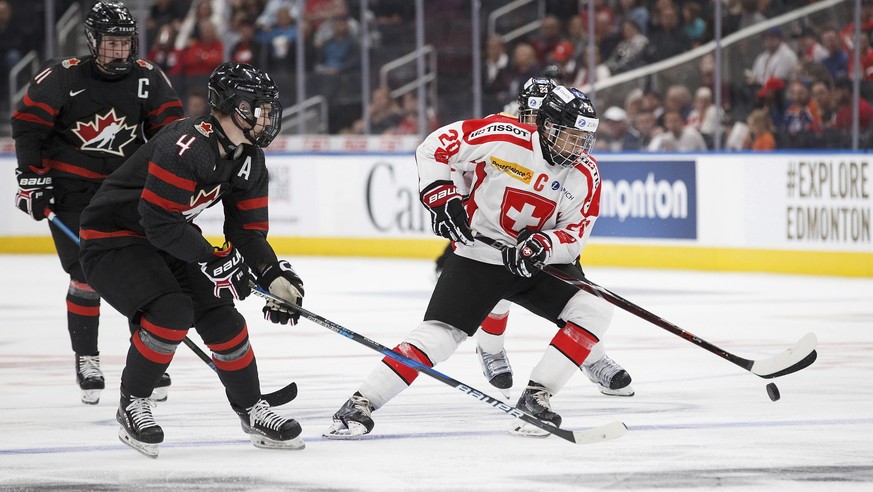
(783, 77)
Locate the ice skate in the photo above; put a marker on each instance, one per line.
(535, 401)
(496, 369)
(352, 420)
(138, 427)
(267, 429)
(90, 378)
(162, 390)
(610, 377)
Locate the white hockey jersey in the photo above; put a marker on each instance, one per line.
(513, 186)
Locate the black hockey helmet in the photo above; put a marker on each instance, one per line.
(110, 18)
(530, 98)
(242, 90)
(566, 123)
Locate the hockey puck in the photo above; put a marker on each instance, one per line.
(773, 391)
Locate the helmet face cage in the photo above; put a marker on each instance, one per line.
(530, 98)
(567, 123)
(111, 19)
(244, 91)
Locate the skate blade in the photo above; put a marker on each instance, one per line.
(262, 442)
(339, 431)
(523, 429)
(625, 392)
(145, 449)
(91, 397)
(160, 395)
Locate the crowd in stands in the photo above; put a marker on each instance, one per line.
(796, 92)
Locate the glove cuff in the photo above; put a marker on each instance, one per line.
(438, 193)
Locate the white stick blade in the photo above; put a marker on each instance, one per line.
(791, 356)
(612, 430)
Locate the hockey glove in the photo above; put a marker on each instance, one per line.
(447, 213)
(531, 251)
(34, 193)
(229, 272)
(282, 281)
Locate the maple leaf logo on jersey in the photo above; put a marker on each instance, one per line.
(204, 128)
(144, 64)
(72, 62)
(201, 201)
(106, 133)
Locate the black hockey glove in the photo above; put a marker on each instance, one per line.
(229, 272)
(529, 254)
(34, 193)
(282, 281)
(448, 216)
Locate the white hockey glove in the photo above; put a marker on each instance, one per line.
(529, 254)
(282, 281)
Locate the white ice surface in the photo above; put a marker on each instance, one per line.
(696, 422)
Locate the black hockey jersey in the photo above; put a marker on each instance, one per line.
(156, 194)
(82, 125)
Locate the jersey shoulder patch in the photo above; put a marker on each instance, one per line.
(144, 64)
(71, 62)
(497, 130)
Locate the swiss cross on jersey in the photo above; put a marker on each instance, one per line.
(106, 133)
(201, 200)
(524, 210)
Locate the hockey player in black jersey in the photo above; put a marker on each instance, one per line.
(144, 256)
(79, 120)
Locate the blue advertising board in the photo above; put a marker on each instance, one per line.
(652, 199)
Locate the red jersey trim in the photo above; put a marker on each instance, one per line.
(165, 204)
(257, 226)
(31, 118)
(163, 107)
(252, 203)
(170, 178)
(71, 169)
(43, 106)
(88, 234)
(233, 342)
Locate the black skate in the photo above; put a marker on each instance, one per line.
(267, 429)
(352, 420)
(535, 401)
(610, 378)
(90, 378)
(138, 427)
(496, 369)
(162, 390)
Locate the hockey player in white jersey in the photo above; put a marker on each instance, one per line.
(538, 191)
(610, 378)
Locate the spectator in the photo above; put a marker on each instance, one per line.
(385, 114)
(837, 61)
(647, 127)
(866, 58)
(547, 38)
(497, 77)
(760, 137)
(606, 36)
(693, 24)
(707, 75)
(703, 116)
(247, 49)
(654, 102)
(809, 47)
(197, 103)
(678, 98)
(843, 119)
(632, 11)
(203, 10)
(576, 34)
(164, 13)
(203, 56)
(750, 14)
(669, 40)
(615, 133)
(630, 51)
(565, 59)
(341, 53)
(338, 9)
(164, 53)
(601, 72)
(524, 66)
(772, 97)
(777, 59)
(823, 97)
(633, 103)
(677, 137)
(267, 19)
(279, 42)
(847, 34)
(409, 123)
(801, 124)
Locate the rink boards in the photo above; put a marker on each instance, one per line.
(781, 212)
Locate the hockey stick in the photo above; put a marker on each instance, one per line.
(606, 432)
(793, 359)
(275, 399)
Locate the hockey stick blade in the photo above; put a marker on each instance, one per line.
(793, 359)
(281, 396)
(606, 432)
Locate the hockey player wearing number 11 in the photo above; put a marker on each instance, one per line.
(538, 191)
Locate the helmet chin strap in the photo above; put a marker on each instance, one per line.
(233, 150)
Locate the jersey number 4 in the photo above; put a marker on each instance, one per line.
(183, 144)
